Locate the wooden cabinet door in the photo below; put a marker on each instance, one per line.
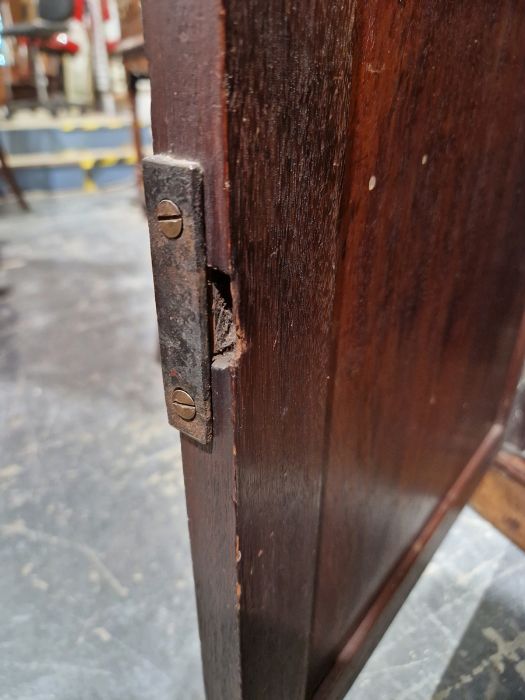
(363, 174)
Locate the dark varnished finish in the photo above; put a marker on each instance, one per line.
(431, 287)
(373, 215)
(288, 115)
(185, 48)
(358, 647)
(210, 482)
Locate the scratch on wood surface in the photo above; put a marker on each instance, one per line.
(238, 554)
(375, 69)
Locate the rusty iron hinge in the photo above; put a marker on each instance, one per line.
(174, 202)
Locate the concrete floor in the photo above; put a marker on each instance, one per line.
(96, 591)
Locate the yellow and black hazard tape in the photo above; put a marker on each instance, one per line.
(93, 125)
(88, 165)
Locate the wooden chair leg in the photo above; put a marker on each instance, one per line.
(500, 498)
(11, 181)
(137, 135)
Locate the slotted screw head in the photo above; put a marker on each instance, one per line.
(169, 217)
(184, 405)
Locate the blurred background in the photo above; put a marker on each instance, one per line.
(74, 94)
(96, 590)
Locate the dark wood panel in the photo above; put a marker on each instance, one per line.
(431, 289)
(185, 49)
(289, 79)
(364, 190)
(379, 615)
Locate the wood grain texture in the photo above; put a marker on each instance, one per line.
(391, 596)
(210, 482)
(364, 187)
(431, 288)
(289, 68)
(185, 49)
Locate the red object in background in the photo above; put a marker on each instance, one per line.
(59, 43)
(62, 42)
(78, 9)
(111, 24)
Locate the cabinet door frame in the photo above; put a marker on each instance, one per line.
(265, 100)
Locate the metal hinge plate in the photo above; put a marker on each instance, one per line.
(174, 202)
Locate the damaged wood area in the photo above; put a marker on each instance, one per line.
(223, 330)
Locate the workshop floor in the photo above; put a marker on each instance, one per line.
(96, 590)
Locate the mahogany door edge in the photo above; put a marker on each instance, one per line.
(387, 603)
(210, 485)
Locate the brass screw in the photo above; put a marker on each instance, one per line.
(169, 217)
(184, 405)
